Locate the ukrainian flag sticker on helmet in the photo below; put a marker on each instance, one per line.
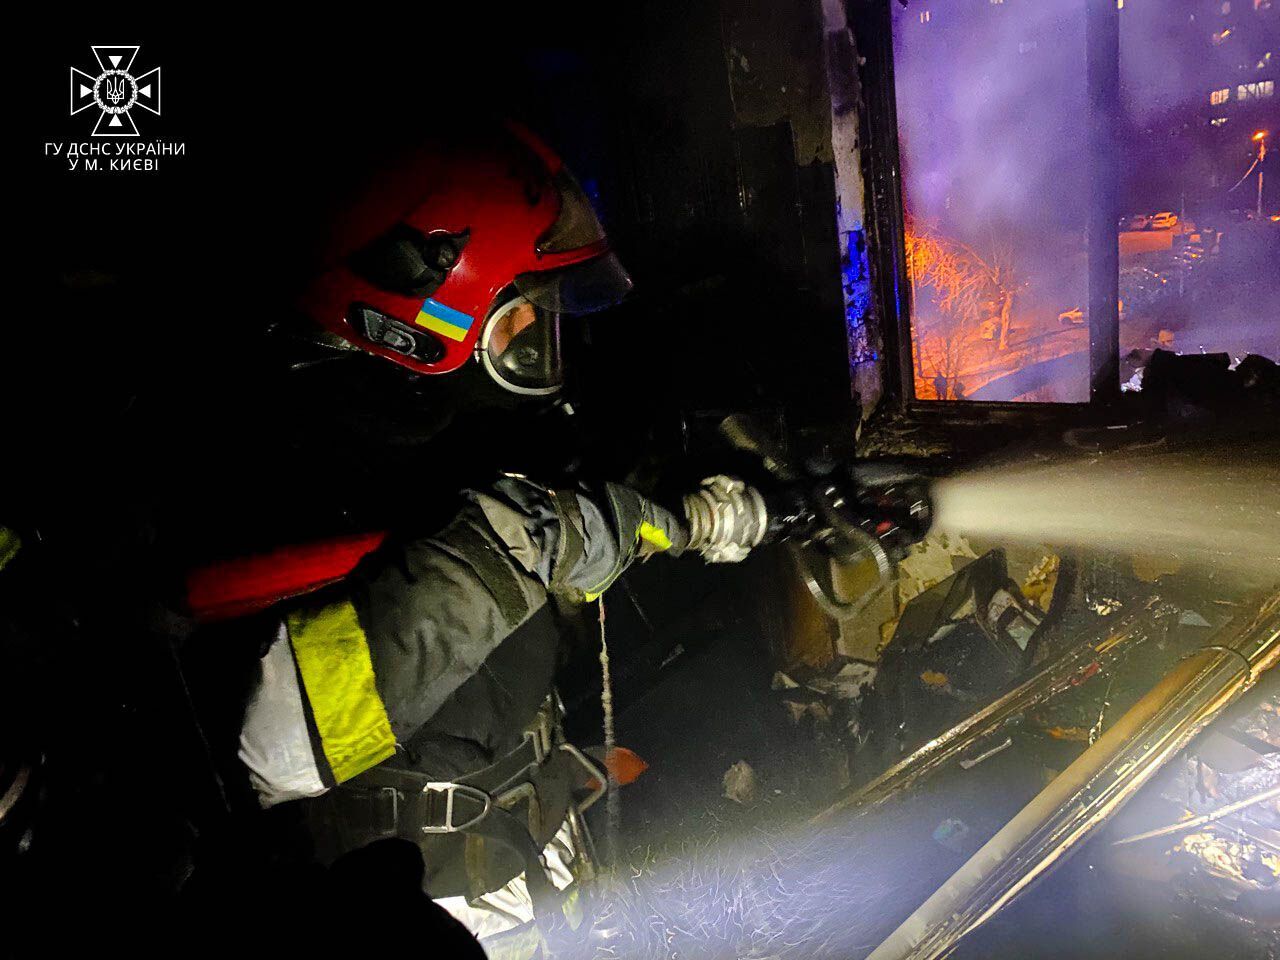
(446, 321)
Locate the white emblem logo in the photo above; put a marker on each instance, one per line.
(114, 90)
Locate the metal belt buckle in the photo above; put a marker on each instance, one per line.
(594, 772)
(449, 789)
(543, 737)
(543, 732)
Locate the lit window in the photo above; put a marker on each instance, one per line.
(991, 193)
(996, 3)
(1226, 7)
(996, 281)
(926, 16)
(1256, 91)
(1221, 36)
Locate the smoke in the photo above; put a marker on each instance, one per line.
(993, 102)
(992, 111)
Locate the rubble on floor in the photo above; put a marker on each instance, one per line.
(740, 782)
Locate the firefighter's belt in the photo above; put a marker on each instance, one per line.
(481, 830)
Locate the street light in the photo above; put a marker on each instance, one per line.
(1260, 138)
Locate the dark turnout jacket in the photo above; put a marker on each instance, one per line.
(442, 643)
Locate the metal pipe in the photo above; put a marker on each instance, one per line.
(1182, 826)
(1142, 621)
(1096, 785)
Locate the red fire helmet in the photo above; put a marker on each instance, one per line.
(475, 245)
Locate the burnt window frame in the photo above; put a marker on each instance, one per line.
(872, 25)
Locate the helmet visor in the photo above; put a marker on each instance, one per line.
(580, 288)
(520, 348)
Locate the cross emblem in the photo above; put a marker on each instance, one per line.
(115, 91)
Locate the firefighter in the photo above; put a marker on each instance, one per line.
(420, 686)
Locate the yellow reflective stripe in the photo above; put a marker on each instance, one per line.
(655, 536)
(333, 658)
(10, 544)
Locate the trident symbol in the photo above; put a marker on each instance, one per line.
(115, 89)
